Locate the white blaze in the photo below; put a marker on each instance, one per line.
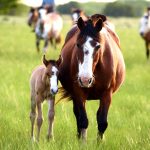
(75, 16)
(53, 80)
(144, 24)
(85, 69)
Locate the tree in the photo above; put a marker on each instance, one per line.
(8, 6)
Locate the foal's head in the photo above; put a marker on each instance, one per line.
(88, 50)
(33, 16)
(52, 73)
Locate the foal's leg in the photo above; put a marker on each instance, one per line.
(51, 113)
(102, 113)
(45, 46)
(147, 49)
(32, 115)
(81, 118)
(39, 117)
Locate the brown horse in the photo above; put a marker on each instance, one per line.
(48, 27)
(44, 85)
(92, 68)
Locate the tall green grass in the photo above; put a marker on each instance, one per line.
(129, 123)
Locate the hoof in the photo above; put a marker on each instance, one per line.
(50, 137)
(100, 137)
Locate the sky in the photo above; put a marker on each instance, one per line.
(36, 3)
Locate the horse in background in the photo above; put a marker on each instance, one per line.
(145, 30)
(44, 85)
(48, 27)
(93, 68)
(76, 13)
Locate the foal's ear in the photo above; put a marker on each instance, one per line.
(99, 25)
(80, 23)
(45, 62)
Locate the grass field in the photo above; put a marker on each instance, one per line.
(129, 114)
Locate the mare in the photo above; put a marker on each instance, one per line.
(48, 27)
(145, 31)
(44, 85)
(93, 68)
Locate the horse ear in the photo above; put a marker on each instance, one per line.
(99, 25)
(80, 23)
(45, 62)
(59, 61)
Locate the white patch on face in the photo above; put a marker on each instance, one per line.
(53, 80)
(75, 16)
(85, 69)
(143, 24)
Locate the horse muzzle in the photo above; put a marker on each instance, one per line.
(54, 91)
(85, 82)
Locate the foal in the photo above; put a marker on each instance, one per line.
(44, 85)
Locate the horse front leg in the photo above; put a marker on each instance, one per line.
(51, 113)
(37, 43)
(147, 49)
(102, 113)
(45, 46)
(81, 119)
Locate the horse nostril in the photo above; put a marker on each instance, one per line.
(90, 80)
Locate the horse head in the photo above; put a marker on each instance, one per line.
(88, 50)
(51, 72)
(33, 16)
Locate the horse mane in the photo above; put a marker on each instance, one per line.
(70, 34)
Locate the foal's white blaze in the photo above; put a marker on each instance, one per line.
(53, 80)
(85, 68)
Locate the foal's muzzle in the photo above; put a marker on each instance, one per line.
(54, 91)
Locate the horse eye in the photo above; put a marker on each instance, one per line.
(78, 45)
(97, 47)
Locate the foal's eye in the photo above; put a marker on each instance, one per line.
(97, 47)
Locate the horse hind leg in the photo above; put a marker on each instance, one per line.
(147, 50)
(32, 116)
(39, 117)
(51, 114)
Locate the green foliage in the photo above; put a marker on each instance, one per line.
(66, 8)
(128, 119)
(128, 9)
(8, 6)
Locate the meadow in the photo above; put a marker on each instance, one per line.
(128, 118)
